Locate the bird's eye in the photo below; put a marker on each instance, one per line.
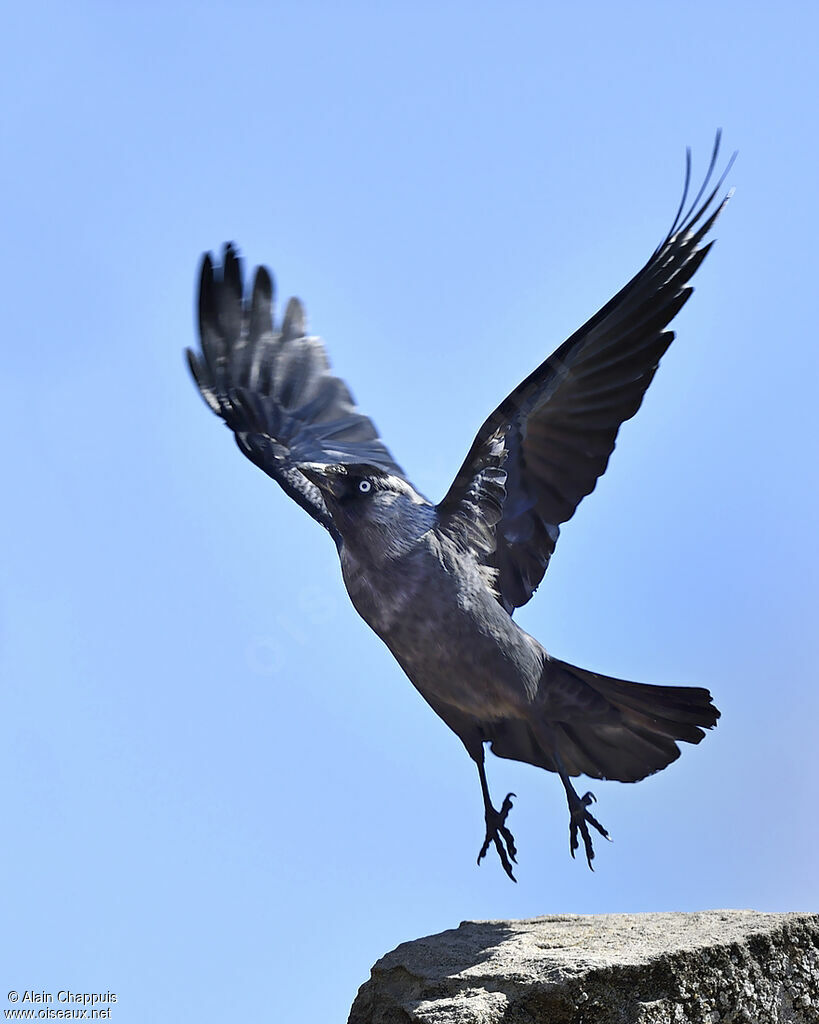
(365, 486)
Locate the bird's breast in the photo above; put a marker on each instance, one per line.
(452, 639)
(380, 594)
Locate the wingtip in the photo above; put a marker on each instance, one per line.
(264, 288)
(294, 322)
(196, 368)
(686, 219)
(205, 300)
(232, 270)
(202, 381)
(205, 272)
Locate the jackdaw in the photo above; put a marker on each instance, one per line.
(439, 583)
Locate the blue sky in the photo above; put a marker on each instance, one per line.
(222, 798)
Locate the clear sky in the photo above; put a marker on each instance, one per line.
(222, 799)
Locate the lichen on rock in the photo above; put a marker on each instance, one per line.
(711, 967)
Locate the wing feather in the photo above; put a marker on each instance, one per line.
(274, 388)
(561, 423)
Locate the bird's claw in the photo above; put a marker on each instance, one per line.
(578, 819)
(499, 834)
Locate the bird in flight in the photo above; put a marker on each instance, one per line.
(439, 583)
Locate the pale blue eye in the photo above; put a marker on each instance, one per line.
(365, 486)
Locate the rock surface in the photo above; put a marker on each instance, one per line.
(714, 967)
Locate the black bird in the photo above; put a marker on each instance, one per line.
(439, 583)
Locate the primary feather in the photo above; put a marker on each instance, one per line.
(561, 423)
(273, 387)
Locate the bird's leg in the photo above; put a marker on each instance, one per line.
(579, 817)
(496, 830)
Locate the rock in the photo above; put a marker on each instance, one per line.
(714, 967)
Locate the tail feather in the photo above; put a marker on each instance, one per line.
(603, 727)
(613, 751)
(680, 704)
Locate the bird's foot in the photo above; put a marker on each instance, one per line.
(579, 821)
(499, 834)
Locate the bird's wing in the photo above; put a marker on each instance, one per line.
(472, 520)
(560, 424)
(273, 386)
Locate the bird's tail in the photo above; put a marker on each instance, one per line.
(603, 727)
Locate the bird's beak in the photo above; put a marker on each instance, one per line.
(328, 479)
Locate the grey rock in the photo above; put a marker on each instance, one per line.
(713, 967)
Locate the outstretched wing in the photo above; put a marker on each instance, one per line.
(561, 423)
(274, 388)
(471, 521)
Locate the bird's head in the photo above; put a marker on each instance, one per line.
(372, 509)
